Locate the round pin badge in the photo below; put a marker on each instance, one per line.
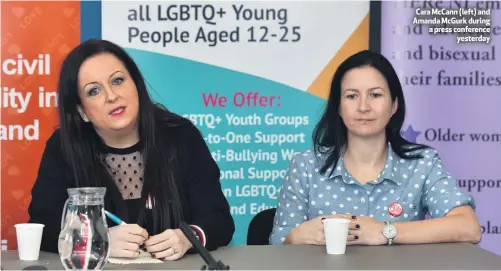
(395, 209)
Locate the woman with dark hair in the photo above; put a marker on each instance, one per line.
(361, 168)
(155, 165)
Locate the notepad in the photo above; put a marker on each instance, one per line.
(143, 258)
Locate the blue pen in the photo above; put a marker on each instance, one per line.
(117, 220)
(114, 218)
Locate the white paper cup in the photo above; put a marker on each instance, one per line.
(29, 239)
(336, 234)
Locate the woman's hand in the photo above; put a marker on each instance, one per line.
(126, 239)
(310, 232)
(365, 230)
(168, 245)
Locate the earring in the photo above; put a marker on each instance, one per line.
(84, 117)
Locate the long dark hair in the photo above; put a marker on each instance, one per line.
(330, 134)
(80, 142)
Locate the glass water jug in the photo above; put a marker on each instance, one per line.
(84, 240)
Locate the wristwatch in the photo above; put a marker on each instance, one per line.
(389, 231)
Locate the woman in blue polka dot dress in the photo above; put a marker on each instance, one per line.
(363, 169)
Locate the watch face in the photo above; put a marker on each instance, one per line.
(390, 231)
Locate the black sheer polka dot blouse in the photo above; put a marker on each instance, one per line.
(203, 203)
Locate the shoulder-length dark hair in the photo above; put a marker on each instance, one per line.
(81, 144)
(330, 134)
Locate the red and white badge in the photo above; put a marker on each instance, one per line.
(395, 209)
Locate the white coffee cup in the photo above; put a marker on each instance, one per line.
(336, 234)
(29, 239)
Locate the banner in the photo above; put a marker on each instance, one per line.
(452, 88)
(252, 76)
(35, 38)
